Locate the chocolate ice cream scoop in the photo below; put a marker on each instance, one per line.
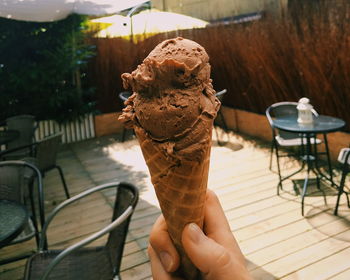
(172, 93)
(175, 63)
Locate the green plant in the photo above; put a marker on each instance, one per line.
(42, 69)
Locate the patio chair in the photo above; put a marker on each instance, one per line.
(25, 125)
(16, 186)
(220, 96)
(286, 139)
(82, 260)
(344, 159)
(123, 96)
(44, 156)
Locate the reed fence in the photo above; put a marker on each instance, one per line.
(259, 63)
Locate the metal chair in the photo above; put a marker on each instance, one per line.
(123, 96)
(16, 186)
(81, 260)
(25, 125)
(220, 96)
(285, 139)
(44, 156)
(344, 159)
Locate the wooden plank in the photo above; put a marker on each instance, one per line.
(263, 215)
(141, 271)
(14, 273)
(134, 259)
(302, 258)
(344, 275)
(295, 243)
(279, 234)
(19, 249)
(143, 213)
(139, 232)
(266, 225)
(325, 268)
(262, 203)
(243, 188)
(135, 245)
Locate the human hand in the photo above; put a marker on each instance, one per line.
(216, 253)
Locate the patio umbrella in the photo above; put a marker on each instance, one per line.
(146, 22)
(52, 10)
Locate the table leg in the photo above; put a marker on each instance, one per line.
(287, 177)
(329, 163)
(311, 161)
(304, 191)
(308, 163)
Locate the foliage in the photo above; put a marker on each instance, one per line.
(42, 69)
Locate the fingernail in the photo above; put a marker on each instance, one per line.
(195, 233)
(166, 259)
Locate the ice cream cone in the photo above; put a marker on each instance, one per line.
(181, 187)
(172, 110)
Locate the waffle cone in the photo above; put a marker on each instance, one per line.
(181, 192)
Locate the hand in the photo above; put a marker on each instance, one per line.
(216, 253)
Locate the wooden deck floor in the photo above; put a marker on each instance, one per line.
(277, 241)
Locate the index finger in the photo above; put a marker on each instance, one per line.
(161, 242)
(216, 225)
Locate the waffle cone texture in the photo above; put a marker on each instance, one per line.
(180, 187)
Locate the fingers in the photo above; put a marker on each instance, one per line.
(216, 253)
(158, 271)
(217, 227)
(163, 246)
(214, 216)
(211, 258)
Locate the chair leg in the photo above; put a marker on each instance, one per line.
(217, 135)
(221, 143)
(347, 198)
(33, 214)
(63, 181)
(328, 158)
(223, 120)
(123, 135)
(341, 189)
(271, 155)
(303, 194)
(279, 171)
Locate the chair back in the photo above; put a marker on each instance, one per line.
(12, 182)
(46, 151)
(220, 94)
(126, 196)
(15, 185)
(83, 260)
(344, 156)
(283, 109)
(124, 95)
(25, 125)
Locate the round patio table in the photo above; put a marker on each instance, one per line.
(320, 125)
(13, 218)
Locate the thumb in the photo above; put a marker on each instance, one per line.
(212, 259)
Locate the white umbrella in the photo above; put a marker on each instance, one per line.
(146, 22)
(51, 10)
